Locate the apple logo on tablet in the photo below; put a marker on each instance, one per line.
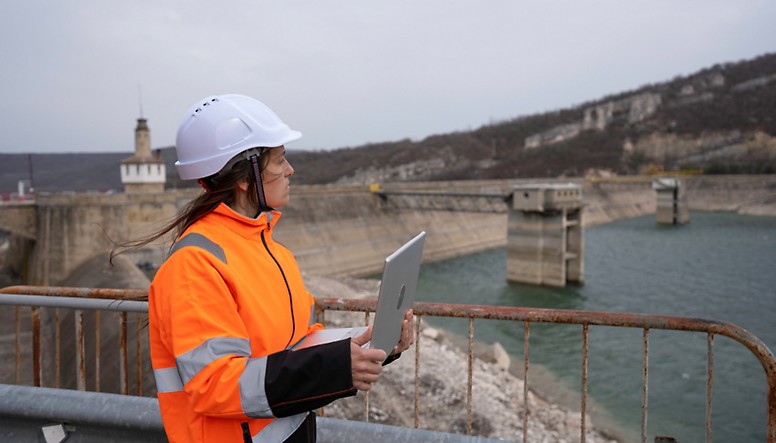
(401, 296)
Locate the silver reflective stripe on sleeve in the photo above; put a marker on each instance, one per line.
(168, 380)
(252, 394)
(279, 429)
(312, 315)
(200, 241)
(190, 363)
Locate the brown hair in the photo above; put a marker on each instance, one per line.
(219, 188)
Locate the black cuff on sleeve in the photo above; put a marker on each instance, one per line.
(309, 378)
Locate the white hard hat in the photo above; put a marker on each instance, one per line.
(219, 127)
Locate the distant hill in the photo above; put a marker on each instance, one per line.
(721, 119)
(77, 172)
(61, 172)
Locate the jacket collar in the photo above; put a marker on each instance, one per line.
(265, 220)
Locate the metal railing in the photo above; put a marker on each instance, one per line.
(584, 319)
(120, 301)
(15, 198)
(125, 301)
(87, 417)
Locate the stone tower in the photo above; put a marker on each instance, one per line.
(144, 172)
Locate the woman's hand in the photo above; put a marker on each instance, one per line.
(407, 334)
(366, 364)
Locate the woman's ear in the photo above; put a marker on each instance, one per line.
(243, 185)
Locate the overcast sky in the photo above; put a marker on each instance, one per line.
(344, 73)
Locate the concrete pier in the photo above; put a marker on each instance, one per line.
(545, 242)
(672, 206)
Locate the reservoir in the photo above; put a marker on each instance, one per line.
(720, 266)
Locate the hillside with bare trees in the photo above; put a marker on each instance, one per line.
(719, 120)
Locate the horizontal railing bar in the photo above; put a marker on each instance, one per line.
(93, 414)
(71, 406)
(73, 303)
(577, 317)
(66, 291)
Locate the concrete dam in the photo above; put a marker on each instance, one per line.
(344, 230)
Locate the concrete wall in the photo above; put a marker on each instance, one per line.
(331, 229)
(347, 229)
(72, 228)
(18, 219)
(608, 200)
(746, 194)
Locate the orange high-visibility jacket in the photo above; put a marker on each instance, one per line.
(223, 310)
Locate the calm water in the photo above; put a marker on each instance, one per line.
(719, 266)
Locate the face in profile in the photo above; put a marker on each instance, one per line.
(275, 178)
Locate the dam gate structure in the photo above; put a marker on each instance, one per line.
(545, 239)
(672, 207)
(545, 234)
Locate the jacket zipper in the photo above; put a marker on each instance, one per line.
(246, 431)
(288, 289)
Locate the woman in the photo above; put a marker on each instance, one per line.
(229, 302)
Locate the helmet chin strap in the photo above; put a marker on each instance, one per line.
(254, 158)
